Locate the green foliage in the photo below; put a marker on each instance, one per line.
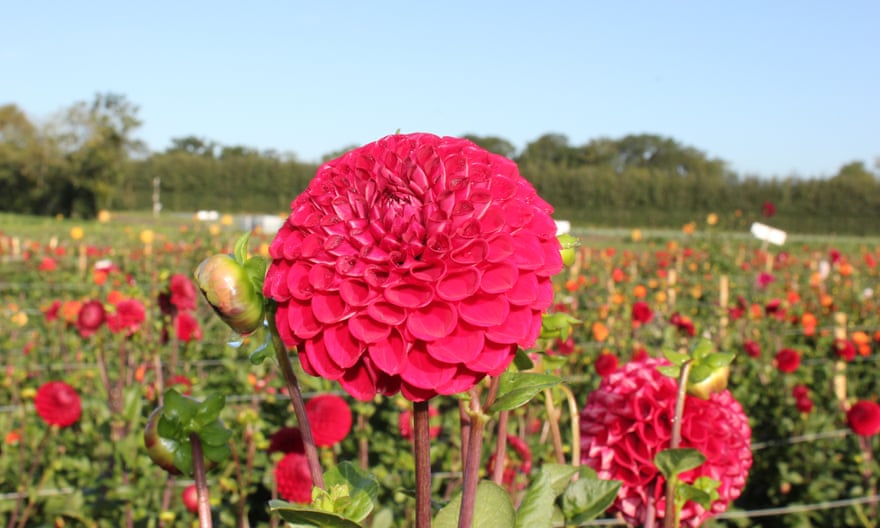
(492, 509)
(517, 388)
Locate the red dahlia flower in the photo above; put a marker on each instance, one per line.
(641, 312)
(330, 418)
(606, 364)
(788, 360)
(415, 264)
(58, 403)
(628, 420)
(293, 478)
(90, 318)
(182, 292)
(187, 327)
(864, 418)
(287, 440)
(128, 317)
(752, 348)
(845, 349)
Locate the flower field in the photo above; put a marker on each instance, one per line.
(98, 319)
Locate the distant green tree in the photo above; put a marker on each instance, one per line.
(495, 144)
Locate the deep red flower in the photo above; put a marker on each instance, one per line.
(768, 209)
(187, 327)
(845, 349)
(287, 440)
(864, 418)
(51, 312)
(415, 264)
(800, 391)
(684, 324)
(190, 498)
(47, 264)
(561, 348)
(90, 318)
(405, 423)
(58, 403)
(127, 318)
(182, 292)
(788, 360)
(605, 364)
(628, 420)
(765, 279)
(641, 312)
(293, 478)
(330, 418)
(752, 348)
(804, 405)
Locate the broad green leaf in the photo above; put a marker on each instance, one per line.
(699, 372)
(536, 509)
(703, 349)
(522, 361)
(586, 498)
(670, 371)
(363, 489)
(183, 459)
(305, 515)
(209, 410)
(255, 268)
(517, 388)
(672, 462)
(215, 434)
(216, 453)
(720, 360)
(676, 358)
(178, 408)
(492, 509)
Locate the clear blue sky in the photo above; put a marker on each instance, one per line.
(772, 87)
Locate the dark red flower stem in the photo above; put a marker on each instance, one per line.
(201, 481)
(500, 448)
(474, 451)
(299, 406)
(422, 453)
(670, 517)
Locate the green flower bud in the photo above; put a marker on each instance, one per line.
(568, 243)
(715, 382)
(229, 290)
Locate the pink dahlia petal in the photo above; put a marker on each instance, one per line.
(329, 308)
(514, 329)
(463, 380)
(301, 320)
(494, 358)
(432, 322)
(320, 361)
(422, 370)
(389, 354)
(358, 382)
(366, 329)
(524, 291)
(499, 278)
(461, 346)
(342, 347)
(484, 310)
(459, 285)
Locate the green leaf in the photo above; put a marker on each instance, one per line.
(492, 509)
(239, 253)
(178, 409)
(255, 268)
(699, 372)
(215, 434)
(216, 453)
(670, 371)
(676, 358)
(183, 459)
(522, 360)
(672, 462)
(537, 505)
(720, 360)
(517, 388)
(363, 489)
(586, 498)
(301, 514)
(209, 410)
(703, 349)
(133, 403)
(704, 494)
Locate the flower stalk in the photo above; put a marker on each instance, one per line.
(422, 454)
(201, 479)
(299, 407)
(474, 450)
(670, 518)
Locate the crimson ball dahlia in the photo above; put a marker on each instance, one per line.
(788, 360)
(58, 403)
(90, 318)
(628, 420)
(864, 418)
(415, 264)
(330, 419)
(287, 440)
(293, 478)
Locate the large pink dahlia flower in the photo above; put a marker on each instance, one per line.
(628, 420)
(415, 264)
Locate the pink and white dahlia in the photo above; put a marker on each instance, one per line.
(628, 420)
(415, 264)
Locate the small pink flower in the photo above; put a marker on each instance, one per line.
(641, 313)
(293, 478)
(752, 348)
(330, 419)
(58, 404)
(90, 318)
(128, 317)
(845, 349)
(187, 328)
(415, 264)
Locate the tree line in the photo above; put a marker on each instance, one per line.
(87, 158)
